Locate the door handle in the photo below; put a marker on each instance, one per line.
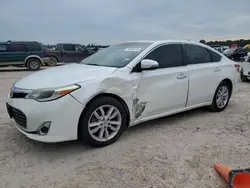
(181, 76)
(217, 69)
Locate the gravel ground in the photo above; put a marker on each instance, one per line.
(176, 151)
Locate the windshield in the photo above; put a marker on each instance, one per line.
(116, 56)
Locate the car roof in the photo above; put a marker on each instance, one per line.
(159, 42)
(68, 43)
(166, 41)
(17, 42)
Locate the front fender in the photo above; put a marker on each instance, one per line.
(115, 86)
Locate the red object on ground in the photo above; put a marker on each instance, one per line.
(223, 170)
(239, 180)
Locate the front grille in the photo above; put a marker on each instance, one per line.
(18, 116)
(18, 95)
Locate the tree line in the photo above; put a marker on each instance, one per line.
(240, 42)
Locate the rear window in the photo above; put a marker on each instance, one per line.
(15, 48)
(33, 46)
(197, 54)
(215, 57)
(3, 48)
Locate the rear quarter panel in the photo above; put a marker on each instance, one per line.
(230, 72)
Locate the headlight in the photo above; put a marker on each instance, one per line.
(43, 95)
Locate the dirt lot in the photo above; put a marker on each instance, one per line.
(177, 151)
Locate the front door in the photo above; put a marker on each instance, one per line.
(165, 88)
(81, 53)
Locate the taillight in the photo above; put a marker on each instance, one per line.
(237, 66)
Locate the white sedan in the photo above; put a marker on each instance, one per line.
(120, 86)
(245, 69)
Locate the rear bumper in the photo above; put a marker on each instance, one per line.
(45, 60)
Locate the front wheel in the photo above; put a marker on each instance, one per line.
(221, 97)
(103, 122)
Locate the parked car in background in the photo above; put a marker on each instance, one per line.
(120, 86)
(245, 69)
(68, 53)
(21, 53)
(240, 53)
(229, 52)
(217, 47)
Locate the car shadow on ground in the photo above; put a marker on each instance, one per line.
(16, 70)
(75, 147)
(168, 121)
(24, 69)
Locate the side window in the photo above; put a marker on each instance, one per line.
(3, 48)
(167, 55)
(215, 57)
(80, 48)
(15, 48)
(33, 47)
(196, 54)
(69, 47)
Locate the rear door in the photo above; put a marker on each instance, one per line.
(204, 70)
(165, 88)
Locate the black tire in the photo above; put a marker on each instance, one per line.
(33, 64)
(214, 107)
(83, 129)
(53, 61)
(243, 77)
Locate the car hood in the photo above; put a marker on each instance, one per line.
(63, 76)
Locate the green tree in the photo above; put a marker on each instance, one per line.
(202, 41)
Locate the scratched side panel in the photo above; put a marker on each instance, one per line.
(120, 83)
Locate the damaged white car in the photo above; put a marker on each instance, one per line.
(120, 86)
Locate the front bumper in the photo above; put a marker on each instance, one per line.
(63, 113)
(45, 60)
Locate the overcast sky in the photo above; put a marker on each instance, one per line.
(113, 21)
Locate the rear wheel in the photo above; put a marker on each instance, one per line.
(243, 77)
(33, 64)
(52, 62)
(103, 122)
(221, 97)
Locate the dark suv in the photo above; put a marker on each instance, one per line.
(29, 54)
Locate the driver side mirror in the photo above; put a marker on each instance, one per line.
(148, 64)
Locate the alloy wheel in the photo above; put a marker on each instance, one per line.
(104, 123)
(34, 64)
(222, 97)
